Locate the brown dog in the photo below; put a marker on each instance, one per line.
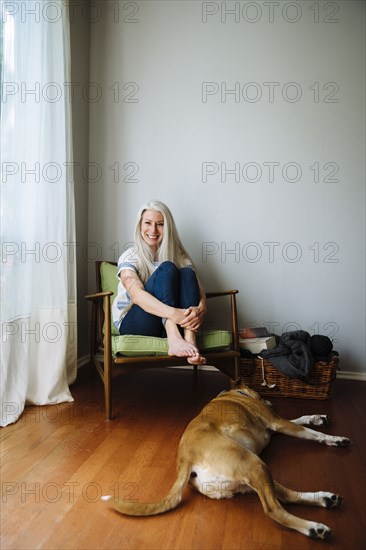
(218, 456)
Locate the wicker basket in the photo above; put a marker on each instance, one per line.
(264, 378)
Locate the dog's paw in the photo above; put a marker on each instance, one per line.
(321, 420)
(328, 500)
(337, 441)
(332, 500)
(343, 442)
(320, 531)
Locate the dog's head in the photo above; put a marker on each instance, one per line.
(238, 384)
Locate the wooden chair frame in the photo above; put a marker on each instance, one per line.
(109, 367)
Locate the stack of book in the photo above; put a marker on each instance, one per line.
(256, 339)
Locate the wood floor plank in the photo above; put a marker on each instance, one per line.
(57, 462)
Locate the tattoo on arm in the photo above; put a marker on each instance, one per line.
(130, 282)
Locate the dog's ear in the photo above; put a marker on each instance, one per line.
(239, 384)
(236, 383)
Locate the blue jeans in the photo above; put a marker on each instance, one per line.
(176, 287)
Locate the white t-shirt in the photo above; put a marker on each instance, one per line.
(128, 260)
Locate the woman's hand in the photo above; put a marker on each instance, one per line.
(193, 317)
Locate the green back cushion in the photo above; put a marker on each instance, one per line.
(108, 274)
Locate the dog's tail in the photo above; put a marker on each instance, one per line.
(149, 509)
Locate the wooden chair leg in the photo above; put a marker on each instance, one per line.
(107, 359)
(195, 377)
(195, 381)
(237, 368)
(93, 336)
(108, 379)
(107, 387)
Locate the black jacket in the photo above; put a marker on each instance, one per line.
(292, 355)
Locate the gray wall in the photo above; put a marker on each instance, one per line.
(80, 76)
(249, 124)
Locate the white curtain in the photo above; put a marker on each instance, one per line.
(38, 271)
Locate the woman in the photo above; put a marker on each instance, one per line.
(158, 291)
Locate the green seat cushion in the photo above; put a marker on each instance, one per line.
(139, 346)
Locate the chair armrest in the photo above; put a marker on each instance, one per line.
(101, 329)
(222, 293)
(98, 295)
(234, 315)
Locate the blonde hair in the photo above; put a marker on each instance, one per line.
(171, 248)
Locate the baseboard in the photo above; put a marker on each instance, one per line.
(347, 375)
(342, 375)
(82, 361)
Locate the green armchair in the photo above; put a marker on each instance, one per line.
(113, 355)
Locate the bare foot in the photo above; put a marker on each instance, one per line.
(181, 348)
(197, 360)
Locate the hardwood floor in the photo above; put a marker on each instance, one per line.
(57, 461)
